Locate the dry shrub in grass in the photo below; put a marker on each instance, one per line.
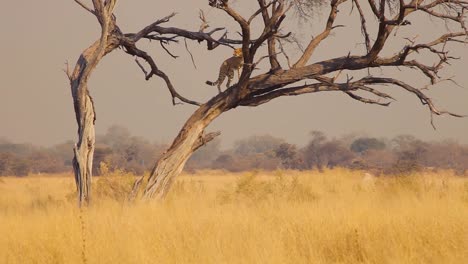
(115, 188)
(43, 203)
(410, 185)
(249, 187)
(188, 188)
(116, 185)
(300, 192)
(415, 185)
(465, 193)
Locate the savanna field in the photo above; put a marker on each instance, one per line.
(338, 216)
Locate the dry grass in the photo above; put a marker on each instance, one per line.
(281, 217)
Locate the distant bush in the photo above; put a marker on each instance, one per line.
(120, 151)
(362, 145)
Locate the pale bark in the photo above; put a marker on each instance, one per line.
(191, 137)
(85, 118)
(83, 102)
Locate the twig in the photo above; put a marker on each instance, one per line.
(142, 68)
(167, 51)
(284, 53)
(85, 6)
(191, 56)
(67, 71)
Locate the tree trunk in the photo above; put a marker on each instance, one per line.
(84, 149)
(85, 115)
(190, 138)
(85, 118)
(82, 101)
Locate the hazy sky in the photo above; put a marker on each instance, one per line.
(36, 104)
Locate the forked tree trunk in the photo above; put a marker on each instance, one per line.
(190, 138)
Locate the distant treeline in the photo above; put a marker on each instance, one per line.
(119, 150)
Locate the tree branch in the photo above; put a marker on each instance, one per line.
(133, 50)
(366, 100)
(425, 100)
(83, 5)
(223, 5)
(205, 138)
(291, 91)
(272, 39)
(263, 10)
(177, 32)
(317, 40)
(326, 84)
(363, 25)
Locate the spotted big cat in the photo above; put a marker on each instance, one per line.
(227, 69)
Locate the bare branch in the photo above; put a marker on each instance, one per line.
(326, 84)
(110, 5)
(142, 68)
(83, 5)
(271, 24)
(205, 138)
(167, 51)
(373, 8)
(191, 56)
(291, 91)
(376, 92)
(155, 28)
(147, 30)
(67, 71)
(317, 40)
(430, 72)
(366, 100)
(425, 100)
(254, 65)
(244, 26)
(449, 37)
(363, 25)
(160, 38)
(284, 53)
(133, 50)
(263, 9)
(204, 25)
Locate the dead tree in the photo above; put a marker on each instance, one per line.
(252, 89)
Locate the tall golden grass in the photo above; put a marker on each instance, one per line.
(338, 216)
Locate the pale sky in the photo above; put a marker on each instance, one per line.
(36, 104)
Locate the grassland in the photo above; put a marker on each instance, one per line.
(337, 216)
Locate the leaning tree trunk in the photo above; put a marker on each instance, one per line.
(191, 137)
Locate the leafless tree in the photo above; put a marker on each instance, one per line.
(252, 89)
